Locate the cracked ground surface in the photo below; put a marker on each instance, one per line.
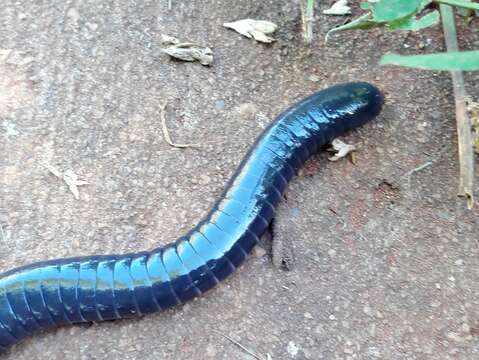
(385, 265)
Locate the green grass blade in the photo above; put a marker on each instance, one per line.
(462, 60)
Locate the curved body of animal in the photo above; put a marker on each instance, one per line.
(96, 288)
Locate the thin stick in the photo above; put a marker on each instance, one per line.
(166, 134)
(307, 12)
(415, 170)
(239, 345)
(466, 155)
(169, 4)
(419, 168)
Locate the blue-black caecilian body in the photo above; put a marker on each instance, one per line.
(96, 288)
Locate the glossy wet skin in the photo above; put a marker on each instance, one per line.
(96, 288)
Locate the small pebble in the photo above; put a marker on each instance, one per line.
(259, 252)
(204, 179)
(367, 310)
(292, 349)
(455, 337)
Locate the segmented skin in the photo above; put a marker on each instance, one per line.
(96, 288)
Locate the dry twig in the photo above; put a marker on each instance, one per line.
(466, 155)
(242, 347)
(415, 170)
(166, 134)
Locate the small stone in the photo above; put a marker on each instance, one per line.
(313, 78)
(308, 315)
(332, 253)
(247, 110)
(292, 349)
(332, 317)
(211, 351)
(74, 15)
(454, 351)
(455, 337)
(91, 26)
(204, 179)
(319, 329)
(466, 329)
(374, 352)
(259, 252)
(367, 310)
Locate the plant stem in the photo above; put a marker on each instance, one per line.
(466, 155)
(307, 12)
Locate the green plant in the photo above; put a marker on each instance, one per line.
(307, 14)
(414, 15)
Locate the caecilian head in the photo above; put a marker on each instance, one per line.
(352, 104)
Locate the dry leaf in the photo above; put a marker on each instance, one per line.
(341, 148)
(190, 52)
(340, 7)
(70, 178)
(169, 40)
(72, 181)
(257, 29)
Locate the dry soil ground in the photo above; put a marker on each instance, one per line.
(385, 266)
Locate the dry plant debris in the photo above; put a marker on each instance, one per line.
(473, 109)
(342, 150)
(256, 29)
(340, 7)
(70, 178)
(242, 347)
(166, 133)
(187, 51)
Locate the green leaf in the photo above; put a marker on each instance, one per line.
(460, 3)
(463, 60)
(362, 22)
(391, 10)
(412, 24)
